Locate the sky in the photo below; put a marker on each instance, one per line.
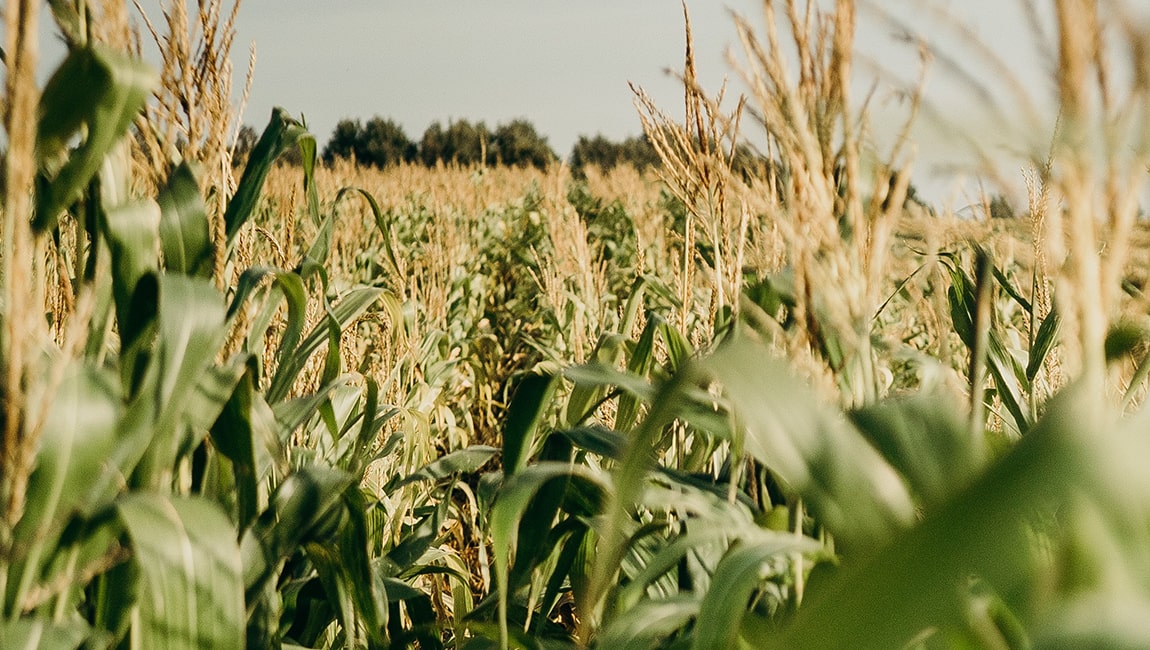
(565, 66)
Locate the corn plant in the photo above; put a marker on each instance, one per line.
(894, 521)
(180, 485)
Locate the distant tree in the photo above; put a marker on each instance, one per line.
(343, 140)
(432, 144)
(378, 143)
(246, 140)
(461, 142)
(1000, 207)
(597, 151)
(606, 154)
(638, 152)
(748, 163)
(518, 144)
(382, 143)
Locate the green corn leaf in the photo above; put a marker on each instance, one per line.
(899, 290)
(381, 222)
(348, 408)
(77, 438)
(79, 574)
(961, 295)
(531, 399)
(418, 538)
(307, 148)
(856, 494)
(650, 623)
(333, 361)
(460, 461)
(597, 374)
(99, 327)
(292, 288)
(1123, 339)
(290, 415)
(42, 634)
(190, 331)
(281, 133)
(132, 232)
(234, 435)
(679, 349)
(635, 301)
(923, 438)
(588, 392)
(302, 510)
(320, 247)
(738, 575)
(350, 307)
(192, 594)
(374, 417)
(629, 477)
(184, 234)
(96, 92)
(115, 594)
(577, 498)
(346, 573)
(209, 397)
(515, 496)
(916, 582)
(1010, 380)
(285, 284)
(710, 531)
(597, 440)
(639, 364)
(68, 20)
(1044, 341)
(1009, 377)
(1011, 290)
(569, 545)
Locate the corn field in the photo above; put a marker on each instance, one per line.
(254, 403)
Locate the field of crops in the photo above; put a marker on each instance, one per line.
(259, 403)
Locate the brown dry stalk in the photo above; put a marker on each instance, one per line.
(20, 335)
(1097, 169)
(193, 118)
(698, 156)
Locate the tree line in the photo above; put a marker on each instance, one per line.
(380, 142)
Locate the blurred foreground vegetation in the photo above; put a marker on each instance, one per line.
(324, 405)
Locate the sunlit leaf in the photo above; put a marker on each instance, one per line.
(460, 461)
(190, 566)
(71, 465)
(281, 133)
(849, 486)
(184, 234)
(96, 91)
(532, 396)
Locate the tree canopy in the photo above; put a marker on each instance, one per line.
(606, 154)
(381, 142)
(461, 142)
(378, 143)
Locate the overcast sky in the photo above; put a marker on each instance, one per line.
(562, 64)
(565, 64)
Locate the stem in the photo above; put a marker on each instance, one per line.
(22, 98)
(797, 561)
(983, 283)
